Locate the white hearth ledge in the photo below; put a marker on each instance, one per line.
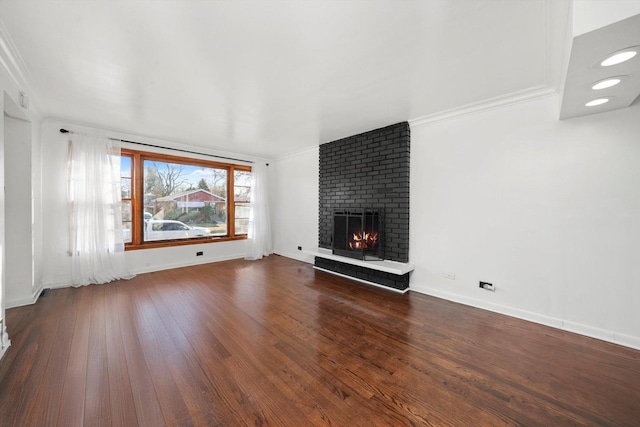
(392, 267)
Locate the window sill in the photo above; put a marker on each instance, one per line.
(171, 243)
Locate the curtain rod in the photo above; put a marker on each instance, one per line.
(174, 149)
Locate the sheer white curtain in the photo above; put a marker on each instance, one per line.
(95, 232)
(259, 235)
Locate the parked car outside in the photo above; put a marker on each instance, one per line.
(170, 229)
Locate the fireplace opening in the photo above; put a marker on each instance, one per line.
(357, 233)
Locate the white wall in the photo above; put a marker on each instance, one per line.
(294, 204)
(57, 267)
(546, 210)
(4, 337)
(146, 260)
(36, 206)
(9, 97)
(19, 214)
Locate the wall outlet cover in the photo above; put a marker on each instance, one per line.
(487, 286)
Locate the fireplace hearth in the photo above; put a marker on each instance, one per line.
(357, 233)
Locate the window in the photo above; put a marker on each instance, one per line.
(169, 200)
(127, 202)
(241, 199)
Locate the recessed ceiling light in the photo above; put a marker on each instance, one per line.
(598, 101)
(607, 83)
(620, 56)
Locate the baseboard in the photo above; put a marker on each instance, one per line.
(19, 302)
(627, 340)
(5, 342)
(565, 325)
(299, 256)
(151, 269)
(4, 350)
(5, 347)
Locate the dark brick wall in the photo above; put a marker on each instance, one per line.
(369, 170)
(380, 277)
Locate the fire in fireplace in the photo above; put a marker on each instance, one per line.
(357, 233)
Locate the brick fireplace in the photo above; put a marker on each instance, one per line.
(368, 172)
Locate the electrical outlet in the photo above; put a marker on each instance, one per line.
(299, 248)
(449, 276)
(199, 253)
(487, 286)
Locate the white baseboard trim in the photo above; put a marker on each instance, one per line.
(578, 328)
(5, 342)
(58, 285)
(20, 302)
(300, 256)
(627, 340)
(151, 269)
(4, 349)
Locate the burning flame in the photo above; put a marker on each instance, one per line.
(364, 241)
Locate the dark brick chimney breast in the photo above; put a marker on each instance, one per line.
(368, 170)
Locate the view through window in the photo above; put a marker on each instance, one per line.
(176, 195)
(241, 197)
(167, 198)
(127, 203)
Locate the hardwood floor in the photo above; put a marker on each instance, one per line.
(274, 342)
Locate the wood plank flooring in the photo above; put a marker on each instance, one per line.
(274, 342)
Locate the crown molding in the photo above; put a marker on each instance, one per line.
(12, 60)
(13, 63)
(536, 92)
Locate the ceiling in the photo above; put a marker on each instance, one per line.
(269, 78)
